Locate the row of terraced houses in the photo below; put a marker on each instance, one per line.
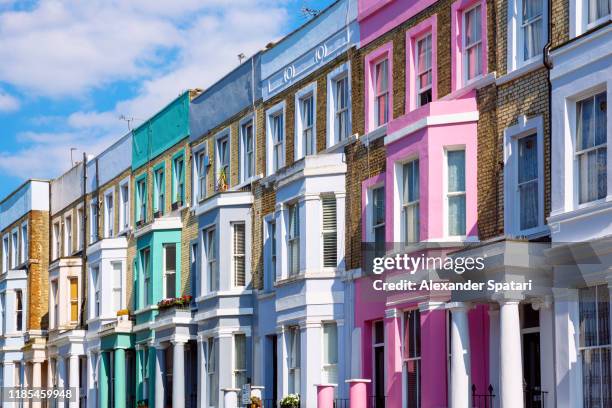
(220, 243)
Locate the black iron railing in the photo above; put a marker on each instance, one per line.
(535, 398)
(341, 403)
(480, 400)
(376, 401)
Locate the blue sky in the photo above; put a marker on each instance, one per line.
(69, 69)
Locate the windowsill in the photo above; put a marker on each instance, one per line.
(246, 182)
(374, 134)
(523, 69)
(324, 273)
(145, 309)
(476, 83)
(223, 293)
(582, 210)
(532, 233)
(341, 144)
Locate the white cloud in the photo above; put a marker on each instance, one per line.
(72, 48)
(8, 103)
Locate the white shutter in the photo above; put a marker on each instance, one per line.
(330, 239)
(239, 261)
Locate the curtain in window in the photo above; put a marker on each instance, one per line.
(382, 100)
(591, 137)
(528, 181)
(532, 28)
(456, 184)
(424, 62)
(473, 32)
(598, 9)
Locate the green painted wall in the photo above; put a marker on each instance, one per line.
(161, 132)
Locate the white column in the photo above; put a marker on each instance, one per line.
(282, 381)
(310, 362)
(201, 393)
(230, 397)
(74, 381)
(178, 374)
(511, 366)
(50, 363)
(547, 353)
(494, 351)
(159, 376)
(460, 356)
(36, 381)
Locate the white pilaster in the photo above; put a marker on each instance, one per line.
(159, 377)
(311, 335)
(178, 375)
(201, 393)
(74, 380)
(36, 381)
(511, 367)
(460, 393)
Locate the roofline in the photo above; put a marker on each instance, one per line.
(162, 110)
(22, 185)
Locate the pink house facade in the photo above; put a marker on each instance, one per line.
(425, 348)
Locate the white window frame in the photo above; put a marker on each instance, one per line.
(80, 214)
(224, 134)
(124, 212)
(341, 72)
(512, 134)
(56, 232)
(329, 370)
(446, 193)
(417, 69)
(118, 286)
(237, 256)
(95, 303)
(464, 54)
(24, 248)
(515, 54)
(235, 370)
(294, 363)
(243, 146)
(19, 313)
(93, 221)
(200, 166)
(68, 238)
(270, 266)
(109, 224)
(299, 142)
(574, 155)
(159, 189)
(405, 206)
(14, 248)
(5, 252)
(166, 272)
(375, 64)
(212, 348)
(211, 263)
(278, 109)
(579, 18)
(293, 239)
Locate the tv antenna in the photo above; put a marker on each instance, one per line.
(72, 149)
(241, 56)
(129, 121)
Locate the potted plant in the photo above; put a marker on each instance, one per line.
(290, 401)
(256, 402)
(142, 403)
(222, 181)
(182, 301)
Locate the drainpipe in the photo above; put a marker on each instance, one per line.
(84, 247)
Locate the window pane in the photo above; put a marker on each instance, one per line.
(473, 26)
(456, 170)
(456, 215)
(598, 9)
(411, 182)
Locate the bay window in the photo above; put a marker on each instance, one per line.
(169, 270)
(472, 43)
(591, 148)
(412, 357)
(594, 346)
(293, 239)
(330, 235)
(18, 310)
(239, 360)
(424, 70)
(381, 93)
(455, 192)
(238, 255)
(528, 182)
(410, 201)
(211, 259)
(330, 353)
(294, 359)
(117, 286)
(378, 220)
(95, 278)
